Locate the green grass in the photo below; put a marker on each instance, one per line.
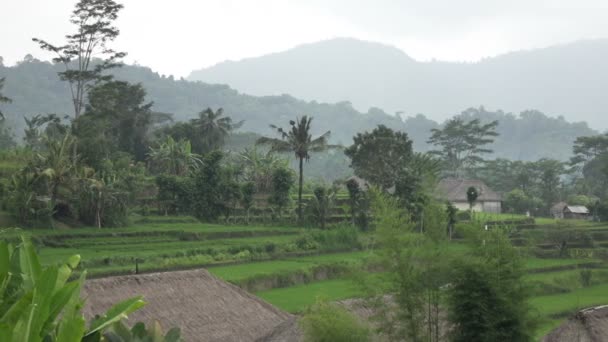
(297, 298)
(561, 305)
(540, 263)
(243, 271)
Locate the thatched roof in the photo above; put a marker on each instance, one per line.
(203, 306)
(588, 325)
(455, 190)
(559, 207)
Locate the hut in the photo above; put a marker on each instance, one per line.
(562, 210)
(204, 307)
(557, 210)
(588, 325)
(576, 212)
(455, 191)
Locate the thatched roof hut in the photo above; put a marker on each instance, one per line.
(588, 325)
(455, 191)
(203, 306)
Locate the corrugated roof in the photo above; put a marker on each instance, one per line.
(455, 190)
(577, 209)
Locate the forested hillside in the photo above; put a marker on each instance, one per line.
(563, 80)
(35, 88)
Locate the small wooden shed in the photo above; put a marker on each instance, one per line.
(576, 212)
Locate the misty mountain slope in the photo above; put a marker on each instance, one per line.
(568, 80)
(35, 89)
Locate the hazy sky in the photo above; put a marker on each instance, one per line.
(178, 36)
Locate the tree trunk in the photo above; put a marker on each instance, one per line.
(301, 181)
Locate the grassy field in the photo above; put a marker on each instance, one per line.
(244, 253)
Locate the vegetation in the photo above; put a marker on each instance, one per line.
(298, 140)
(42, 304)
(325, 322)
(126, 188)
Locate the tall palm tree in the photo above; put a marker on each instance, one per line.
(213, 128)
(299, 141)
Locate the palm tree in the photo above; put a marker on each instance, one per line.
(174, 157)
(213, 128)
(57, 164)
(299, 141)
(258, 167)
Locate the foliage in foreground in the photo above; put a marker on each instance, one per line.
(327, 322)
(41, 304)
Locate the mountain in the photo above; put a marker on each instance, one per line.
(568, 80)
(36, 89)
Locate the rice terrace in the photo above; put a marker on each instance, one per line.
(329, 189)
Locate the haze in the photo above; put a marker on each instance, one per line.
(180, 36)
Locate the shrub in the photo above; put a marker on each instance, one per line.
(585, 277)
(326, 322)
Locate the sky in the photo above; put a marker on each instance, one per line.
(178, 36)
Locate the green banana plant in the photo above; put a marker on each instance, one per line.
(139, 333)
(39, 303)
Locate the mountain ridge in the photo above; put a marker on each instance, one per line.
(566, 79)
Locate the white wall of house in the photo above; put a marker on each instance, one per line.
(487, 206)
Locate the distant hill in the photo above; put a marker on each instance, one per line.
(35, 88)
(569, 80)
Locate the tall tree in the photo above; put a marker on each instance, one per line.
(213, 128)
(3, 99)
(94, 31)
(299, 141)
(461, 144)
(381, 156)
(6, 138)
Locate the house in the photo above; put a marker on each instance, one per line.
(576, 212)
(204, 307)
(562, 210)
(557, 210)
(455, 191)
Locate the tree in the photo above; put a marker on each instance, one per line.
(518, 202)
(462, 144)
(488, 300)
(247, 192)
(213, 129)
(258, 167)
(116, 116)
(299, 141)
(3, 99)
(355, 195)
(94, 31)
(282, 181)
(472, 195)
(381, 156)
(549, 171)
(321, 204)
(6, 138)
(174, 157)
(208, 202)
(57, 164)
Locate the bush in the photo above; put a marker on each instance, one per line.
(585, 277)
(463, 215)
(326, 322)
